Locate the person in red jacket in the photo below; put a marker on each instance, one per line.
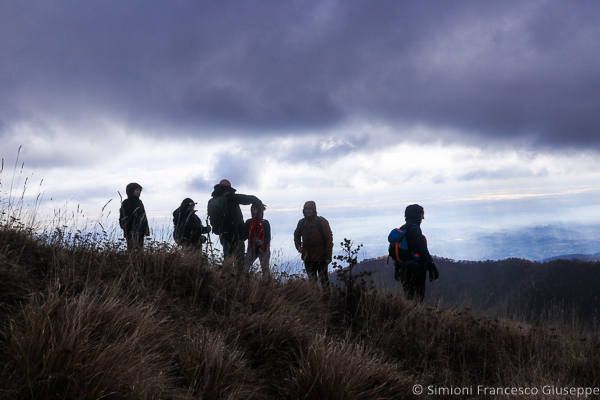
(259, 241)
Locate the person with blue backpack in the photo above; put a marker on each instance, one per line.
(408, 249)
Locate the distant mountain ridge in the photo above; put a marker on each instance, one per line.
(582, 257)
(541, 243)
(513, 284)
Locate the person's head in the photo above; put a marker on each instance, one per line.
(133, 190)
(255, 212)
(225, 182)
(187, 205)
(414, 212)
(310, 209)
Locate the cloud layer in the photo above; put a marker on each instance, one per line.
(507, 72)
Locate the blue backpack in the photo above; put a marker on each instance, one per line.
(399, 248)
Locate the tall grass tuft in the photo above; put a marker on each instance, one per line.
(347, 370)
(89, 346)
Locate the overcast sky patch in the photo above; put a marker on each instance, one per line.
(490, 70)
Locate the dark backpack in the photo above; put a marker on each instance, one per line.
(217, 212)
(319, 228)
(399, 248)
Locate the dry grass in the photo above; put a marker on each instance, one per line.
(344, 369)
(86, 347)
(82, 319)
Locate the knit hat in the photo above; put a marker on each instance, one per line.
(414, 212)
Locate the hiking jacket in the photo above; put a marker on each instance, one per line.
(188, 228)
(416, 240)
(261, 231)
(132, 215)
(233, 224)
(314, 245)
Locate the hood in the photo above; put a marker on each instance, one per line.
(260, 214)
(130, 188)
(184, 205)
(182, 209)
(310, 204)
(413, 213)
(222, 189)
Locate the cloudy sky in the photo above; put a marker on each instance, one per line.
(485, 113)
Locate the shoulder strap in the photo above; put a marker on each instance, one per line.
(409, 240)
(320, 226)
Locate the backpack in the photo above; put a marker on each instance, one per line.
(319, 224)
(399, 248)
(319, 228)
(217, 212)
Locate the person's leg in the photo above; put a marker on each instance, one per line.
(251, 256)
(226, 243)
(234, 249)
(238, 254)
(406, 280)
(323, 269)
(135, 241)
(419, 284)
(265, 257)
(196, 244)
(413, 283)
(311, 270)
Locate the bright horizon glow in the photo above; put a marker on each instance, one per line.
(362, 193)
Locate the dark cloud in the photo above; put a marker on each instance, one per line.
(495, 70)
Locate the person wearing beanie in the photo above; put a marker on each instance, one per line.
(314, 240)
(188, 228)
(414, 276)
(132, 218)
(259, 241)
(224, 210)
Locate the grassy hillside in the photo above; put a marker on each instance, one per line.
(82, 319)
